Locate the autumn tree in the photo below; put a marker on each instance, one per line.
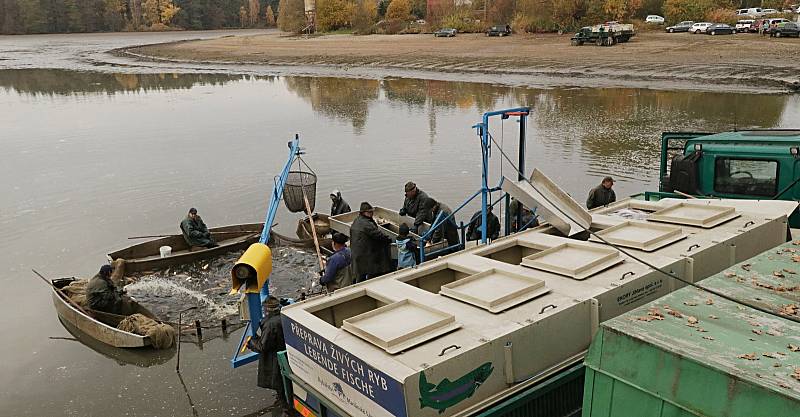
(399, 10)
(269, 17)
(679, 10)
(621, 9)
(159, 12)
(334, 14)
(291, 16)
(254, 11)
(365, 15)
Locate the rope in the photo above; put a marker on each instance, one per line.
(642, 261)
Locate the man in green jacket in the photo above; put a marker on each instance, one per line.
(602, 195)
(195, 231)
(103, 295)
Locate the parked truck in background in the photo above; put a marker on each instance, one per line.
(604, 34)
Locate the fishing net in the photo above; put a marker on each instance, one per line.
(297, 183)
(76, 291)
(162, 336)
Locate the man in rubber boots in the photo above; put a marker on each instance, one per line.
(413, 204)
(195, 231)
(369, 246)
(268, 343)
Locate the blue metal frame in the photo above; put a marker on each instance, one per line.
(485, 191)
(254, 300)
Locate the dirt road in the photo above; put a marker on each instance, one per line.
(741, 62)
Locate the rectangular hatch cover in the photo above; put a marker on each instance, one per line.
(698, 215)
(641, 235)
(575, 260)
(495, 290)
(401, 325)
(554, 205)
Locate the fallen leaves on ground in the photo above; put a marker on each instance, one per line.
(770, 355)
(793, 348)
(778, 274)
(748, 356)
(788, 310)
(730, 274)
(672, 312)
(789, 271)
(796, 374)
(692, 320)
(711, 316)
(747, 267)
(773, 332)
(708, 338)
(709, 301)
(758, 331)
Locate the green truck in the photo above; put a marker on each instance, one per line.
(692, 353)
(747, 164)
(605, 34)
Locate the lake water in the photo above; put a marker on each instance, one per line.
(91, 153)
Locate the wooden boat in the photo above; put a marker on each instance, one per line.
(100, 326)
(147, 256)
(321, 222)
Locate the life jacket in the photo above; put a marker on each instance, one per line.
(405, 258)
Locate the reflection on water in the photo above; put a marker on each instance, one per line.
(89, 159)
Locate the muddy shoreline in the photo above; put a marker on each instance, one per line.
(740, 63)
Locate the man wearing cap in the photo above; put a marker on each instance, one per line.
(103, 295)
(602, 195)
(338, 205)
(338, 273)
(195, 231)
(369, 246)
(268, 343)
(413, 204)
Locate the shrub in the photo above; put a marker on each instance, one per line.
(721, 16)
(291, 16)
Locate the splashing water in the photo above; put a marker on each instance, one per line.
(161, 287)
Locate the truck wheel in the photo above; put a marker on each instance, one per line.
(574, 42)
(777, 34)
(599, 42)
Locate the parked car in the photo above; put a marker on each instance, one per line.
(767, 12)
(445, 33)
(699, 27)
(788, 29)
(754, 12)
(499, 31)
(774, 23)
(744, 25)
(720, 29)
(680, 27)
(655, 19)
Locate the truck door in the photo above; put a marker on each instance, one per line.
(744, 177)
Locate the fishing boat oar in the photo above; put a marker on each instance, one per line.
(239, 232)
(58, 290)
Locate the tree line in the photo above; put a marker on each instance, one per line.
(360, 16)
(65, 16)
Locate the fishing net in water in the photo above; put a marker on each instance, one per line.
(162, 336)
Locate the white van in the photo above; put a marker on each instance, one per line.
(755, 12)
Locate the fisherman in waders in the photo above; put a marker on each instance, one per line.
(407, 250)
(195, 231)
(413, 205)
(474, 230)
(338, 273)
(369, 246)
(268, 343)
(103, 295)
(602, 195)
(338, 205)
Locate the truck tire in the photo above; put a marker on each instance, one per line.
(777, 34)
(573, 42)
(599, 41)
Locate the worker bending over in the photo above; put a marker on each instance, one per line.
(338, 273)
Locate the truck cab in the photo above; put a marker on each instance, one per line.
(750, 164)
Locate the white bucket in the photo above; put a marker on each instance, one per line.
(165, 251)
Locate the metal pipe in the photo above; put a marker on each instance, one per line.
(509, 363)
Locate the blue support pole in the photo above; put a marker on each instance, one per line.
(254, 300)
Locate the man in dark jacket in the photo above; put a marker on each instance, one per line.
(103, 295)
(602, 195)
(369, 246)
(474, 231)
(338, 273)
(195, 231)
(338, 205)
(448, 229)
(413, 204)
(268, 343)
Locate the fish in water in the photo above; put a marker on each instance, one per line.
(448, 393)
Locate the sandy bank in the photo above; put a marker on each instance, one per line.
(742, 62)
